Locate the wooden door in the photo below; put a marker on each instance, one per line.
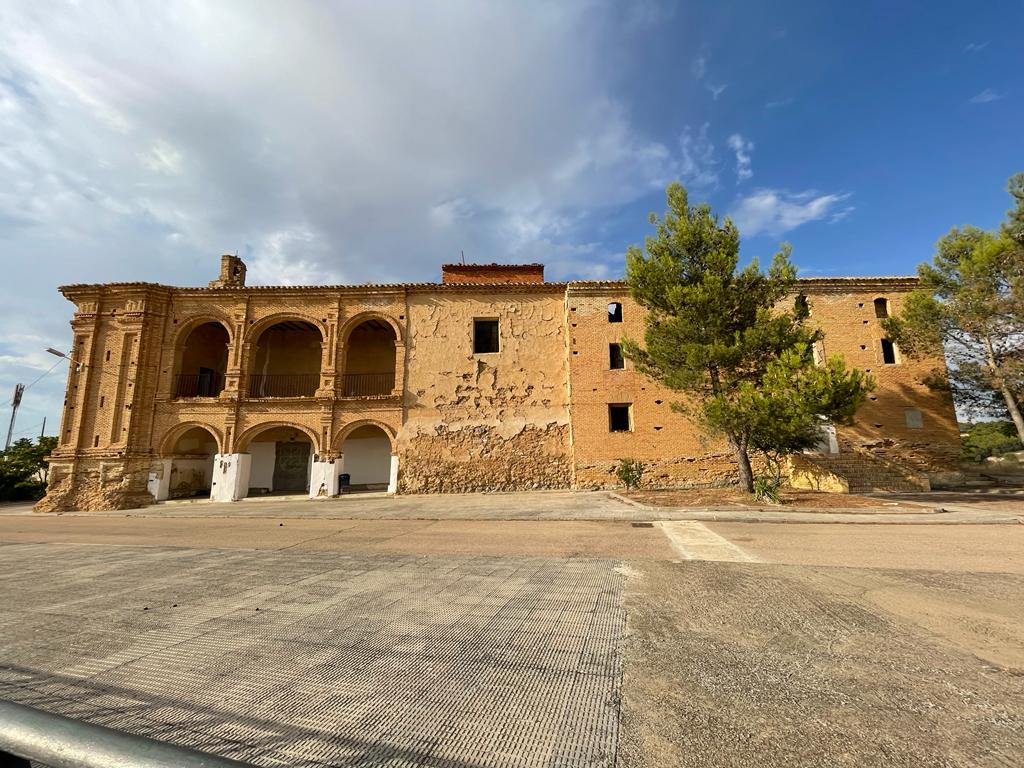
(291, 467)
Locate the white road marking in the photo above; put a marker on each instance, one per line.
(695, 541)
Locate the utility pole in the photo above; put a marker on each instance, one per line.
(15, 402)
(42, 432)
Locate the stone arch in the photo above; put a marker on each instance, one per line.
(185, 468)
(243, 440)
(284, 356)
(345, 431)
(183, 330)
(175, 432)
(254, 331)
(356, 320)
(368, 456)
(201, 357)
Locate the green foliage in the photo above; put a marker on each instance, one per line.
(970, 308)
(784, 413)
(630, 472)
(23, 469)
(726, 339)
(990, 438)
(766, 489)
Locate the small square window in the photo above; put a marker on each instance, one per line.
(619, 417)
(914, 418)
(615, 312)
(485, 337)
(615, 359)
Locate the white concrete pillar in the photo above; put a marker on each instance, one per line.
(323, 479)
(393, 478)
(159, 483)
(230, 476)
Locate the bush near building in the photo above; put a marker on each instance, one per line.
(23, 469)
(990, 438)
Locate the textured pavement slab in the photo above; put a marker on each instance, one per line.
(322, 658)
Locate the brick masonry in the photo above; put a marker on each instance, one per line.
(532, 414)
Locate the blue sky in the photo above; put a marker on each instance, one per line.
(329, 143)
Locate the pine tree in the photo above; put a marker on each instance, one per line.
(724, 338)
(970, 308)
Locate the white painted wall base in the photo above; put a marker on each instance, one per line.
(230, 476)
(323, 478)
(393, 478)
(159, 484)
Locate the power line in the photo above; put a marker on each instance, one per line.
(41, 376)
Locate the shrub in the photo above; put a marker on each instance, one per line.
(766, 489)
(630, 472)
(990, 438)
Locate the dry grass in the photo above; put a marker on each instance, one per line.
(791, 499)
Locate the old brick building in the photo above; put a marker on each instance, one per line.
(490, 380)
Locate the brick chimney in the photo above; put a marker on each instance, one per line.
(492, 273)
(232, 273)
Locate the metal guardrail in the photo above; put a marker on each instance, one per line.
(61, 742)
(198, 384)
(283, 384)
(368, 384)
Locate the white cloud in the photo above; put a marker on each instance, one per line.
(699, 67)
(742, 149)
(779, 103)
(775, 211)
(716, 90)
(321, 142)
(976, 47)
(162, 158)
(985, 97)
(697, 165)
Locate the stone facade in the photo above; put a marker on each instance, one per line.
(490, 380)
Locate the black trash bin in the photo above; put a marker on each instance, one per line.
(344, 483)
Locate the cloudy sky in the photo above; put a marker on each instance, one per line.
(352, 142)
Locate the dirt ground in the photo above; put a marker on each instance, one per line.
(732, 664)
(791, 499)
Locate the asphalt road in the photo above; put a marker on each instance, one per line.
(521, 643)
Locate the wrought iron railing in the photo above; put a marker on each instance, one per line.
(198, 384)
(283, 384)
(367, 384)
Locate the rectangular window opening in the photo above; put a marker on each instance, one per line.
(619, 417)
(888, 352)
(485, 337)
(615, 312)
(615, 360)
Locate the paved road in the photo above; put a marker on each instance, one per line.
(521, 643)
(570, 505)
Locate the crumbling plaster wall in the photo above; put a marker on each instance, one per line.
(477, 422)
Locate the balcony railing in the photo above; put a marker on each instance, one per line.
(367, 384)
(198, 384)
(283, 384)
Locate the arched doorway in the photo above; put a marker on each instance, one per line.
(287, 359)
(202, 362)
(367, 458)
(191, 464)
(281, 460)
(370, 359)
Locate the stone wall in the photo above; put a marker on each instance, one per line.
(902, 420)
(482, 458)
(495, 421)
